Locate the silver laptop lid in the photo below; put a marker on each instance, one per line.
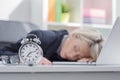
(110, 54)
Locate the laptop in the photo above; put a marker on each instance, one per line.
(110, 53)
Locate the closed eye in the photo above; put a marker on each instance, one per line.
(75, 48)
(77, 51)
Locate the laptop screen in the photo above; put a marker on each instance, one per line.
(110, 54)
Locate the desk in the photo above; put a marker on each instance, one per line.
(60, 72)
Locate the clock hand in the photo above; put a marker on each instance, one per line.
(28, 54)
(31, 52)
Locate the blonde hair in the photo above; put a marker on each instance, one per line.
(93, 37)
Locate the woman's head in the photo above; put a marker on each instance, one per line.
(82, 43)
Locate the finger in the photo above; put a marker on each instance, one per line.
(91, 60)
(45, 61)
(82, 60)
(86, 60)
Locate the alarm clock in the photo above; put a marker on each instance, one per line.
(30, 52)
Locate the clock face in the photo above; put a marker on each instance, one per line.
(30, 53)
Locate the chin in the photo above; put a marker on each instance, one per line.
(61, 55)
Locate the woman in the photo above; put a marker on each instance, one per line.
(80, 45)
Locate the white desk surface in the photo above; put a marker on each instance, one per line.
(60, 72)
(60, 68)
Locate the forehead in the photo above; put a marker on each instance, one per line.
(78, 41)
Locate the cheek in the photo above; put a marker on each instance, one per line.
(66, 48)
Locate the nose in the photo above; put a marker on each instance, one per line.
(76, 55)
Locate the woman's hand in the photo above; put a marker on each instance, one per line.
(86, 60)
(45, 61)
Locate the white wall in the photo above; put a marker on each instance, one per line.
(39, 12)
(118, 8)
(18, 10)
(25, 10)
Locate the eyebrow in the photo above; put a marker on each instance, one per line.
(78, 48)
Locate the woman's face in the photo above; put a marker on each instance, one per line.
(74, 49)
